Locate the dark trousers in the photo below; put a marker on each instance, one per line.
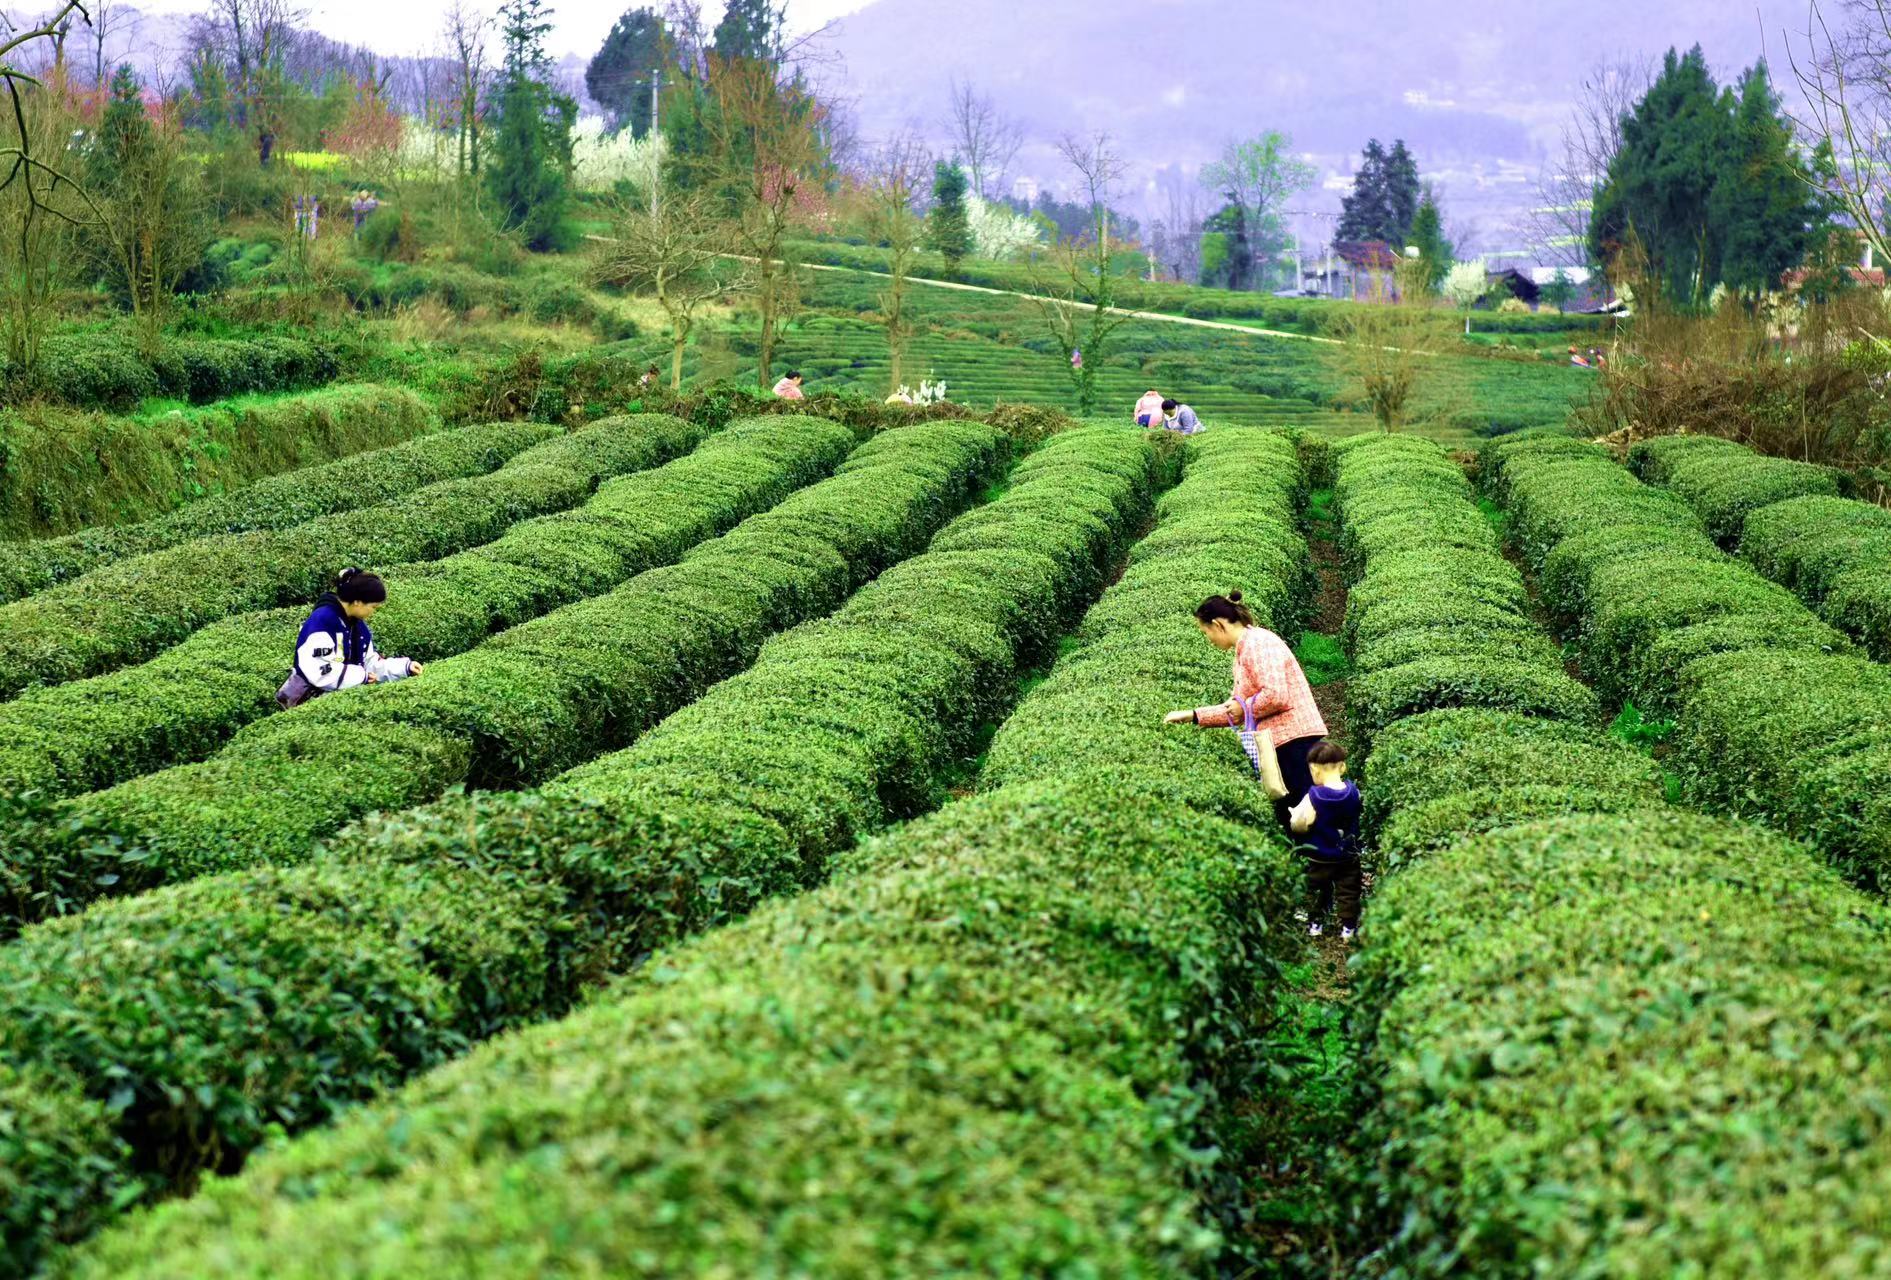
(1334, 883)
(1295, 773)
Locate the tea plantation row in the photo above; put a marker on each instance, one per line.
(413, 936)
(985, 1047)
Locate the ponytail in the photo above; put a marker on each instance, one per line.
(1226, 608)
(358, 586)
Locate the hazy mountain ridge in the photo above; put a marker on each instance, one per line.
(1479, 88)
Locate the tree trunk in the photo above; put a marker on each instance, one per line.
(680, 336)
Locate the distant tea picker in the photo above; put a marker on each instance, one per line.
(789, 388)
(1156, 410)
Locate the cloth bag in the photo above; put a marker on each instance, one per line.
(1259, 746)
(296, 690)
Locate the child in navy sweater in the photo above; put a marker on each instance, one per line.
(1327, 821)
(335, 649)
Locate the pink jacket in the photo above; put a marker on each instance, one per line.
(1266, 671)
(1150, 404)
(788, 390)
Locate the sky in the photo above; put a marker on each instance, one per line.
(413, 26)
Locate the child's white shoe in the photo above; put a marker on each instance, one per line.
(1301, 916)
(1313, 930)
(1346, 933)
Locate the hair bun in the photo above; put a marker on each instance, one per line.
(1234, 597)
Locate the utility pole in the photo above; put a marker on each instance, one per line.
(656, 100)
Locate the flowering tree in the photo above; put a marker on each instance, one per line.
(1078, 301)
(998, 232)
(1464, 284)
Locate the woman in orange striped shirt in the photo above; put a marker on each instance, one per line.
(1269, 682)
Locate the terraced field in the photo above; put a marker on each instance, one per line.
(782, 866)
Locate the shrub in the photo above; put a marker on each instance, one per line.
(528, 703)
(1774, 713)
(1115, 898)
(128, 609)
(63, 471)
(181, 705)
(559, 893)
(1573, 1076)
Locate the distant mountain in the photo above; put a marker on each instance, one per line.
(1478, 88)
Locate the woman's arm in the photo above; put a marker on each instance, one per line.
(319, 658)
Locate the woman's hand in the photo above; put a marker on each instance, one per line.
(1178, 717)
(1236, 712)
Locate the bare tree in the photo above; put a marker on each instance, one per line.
(1557, 228)
(1845, 80)
(108, 18)
(893, 189)
(39, 202)
(465, 31)
(987, 140)
(765, 153)
(1077, 291)
(690, 32)
(677, 253)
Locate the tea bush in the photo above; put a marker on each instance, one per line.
(524, 705)
(184, 703)
(558, 893)
(1040, 996)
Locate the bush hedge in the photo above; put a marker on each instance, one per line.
(1775, 712)
(105, 370)
(1437, 618)
(524, 705)
(127, 610)
(63, 471)
(1836, 554)
(557, 893)
(1036, 998)
(184, 703)
(1726, 482)
(1635, 1044)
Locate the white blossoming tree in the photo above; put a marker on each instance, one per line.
(1464, 284)
(998, 232)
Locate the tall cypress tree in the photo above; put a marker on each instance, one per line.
(619, 75)
(1764, 211)
(751, 29)
(1428, 236)
(1709, 184)
(948, 228)
(531, 147)
(1657, 190)
(1364, 212)
(1384, 199)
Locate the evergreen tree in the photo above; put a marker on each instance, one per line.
(751, 29)
(1233, 254)
(1764, 210)
(1659, 185)
(531, 145)
(620, 74)
(1707, 185)
(1401, 195)
(948, 230)
(1384, 199)
(1427, 234)
(1364, 213)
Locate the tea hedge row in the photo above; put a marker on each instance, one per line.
(63, 471)
(1138, 654)
(1725, 482)
(1834, 552)
(126, 611)
(1436, 617)
(1621, 1041)
(1555, 998)
(302, 424)
(422, 932)
(987, 1047)
(186, 702)
(526, 704)
(1775, 712)
(106, 370)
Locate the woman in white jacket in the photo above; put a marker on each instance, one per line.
(335, 649)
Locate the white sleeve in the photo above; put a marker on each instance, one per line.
(318, 658)
(384, 669)
(1301, 815)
